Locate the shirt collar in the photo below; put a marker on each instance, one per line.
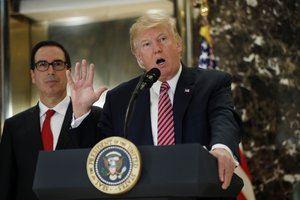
(172, 83)
(60, 108)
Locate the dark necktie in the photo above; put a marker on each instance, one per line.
(165, 120)
(47, 136)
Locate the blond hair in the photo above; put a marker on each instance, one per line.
(150, 21)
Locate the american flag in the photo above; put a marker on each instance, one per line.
(206, 58)
(243, 171)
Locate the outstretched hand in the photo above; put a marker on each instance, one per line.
(83, 94)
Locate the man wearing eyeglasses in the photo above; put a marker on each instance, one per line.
(23, 134)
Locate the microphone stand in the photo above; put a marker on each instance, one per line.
(131, 105)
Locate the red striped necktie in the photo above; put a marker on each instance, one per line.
(165, 121)
(47, 136)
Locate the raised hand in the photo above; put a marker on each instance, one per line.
(82, 91)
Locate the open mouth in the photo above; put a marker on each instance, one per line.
(160, 61)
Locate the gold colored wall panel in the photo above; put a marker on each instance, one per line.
(23, 35)
(19, 65)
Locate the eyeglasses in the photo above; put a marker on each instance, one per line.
(43, 65)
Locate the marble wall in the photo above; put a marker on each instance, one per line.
(258, 42)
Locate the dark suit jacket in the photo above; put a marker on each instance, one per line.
(203, 111)
(20, 146)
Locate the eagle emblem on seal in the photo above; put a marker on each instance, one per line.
(113, 162)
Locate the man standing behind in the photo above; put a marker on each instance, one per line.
(33, 130)
(186, 105)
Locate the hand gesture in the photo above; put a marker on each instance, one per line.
(83, 94)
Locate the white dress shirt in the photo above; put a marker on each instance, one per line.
(57, 119)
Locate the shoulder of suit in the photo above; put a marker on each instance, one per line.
(23, 115)
(207, 76)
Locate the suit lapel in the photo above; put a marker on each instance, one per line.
(182, 97)
(35, 128)
(141, 122)
(64, 138)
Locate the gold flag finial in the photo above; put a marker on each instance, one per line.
(204, 30)
(204, 8)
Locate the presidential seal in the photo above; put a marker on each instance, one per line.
(114, 165)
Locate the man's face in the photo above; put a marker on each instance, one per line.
(157, 47)
(50, 83)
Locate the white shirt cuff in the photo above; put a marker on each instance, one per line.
(76, 122)
(227, 149)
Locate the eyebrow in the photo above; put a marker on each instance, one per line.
(57, 59)
(159, 35)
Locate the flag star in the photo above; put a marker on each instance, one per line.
(204, 56)
(204, 45)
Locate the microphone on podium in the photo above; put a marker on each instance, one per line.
(146, 81)
(149, 78)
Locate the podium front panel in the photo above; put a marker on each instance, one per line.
(183, 171)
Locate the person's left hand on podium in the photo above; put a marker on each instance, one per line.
(226, 166)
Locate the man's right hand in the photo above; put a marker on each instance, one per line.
(83, 94)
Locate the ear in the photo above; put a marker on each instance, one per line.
(32, 76)
(138, 58)
(179, 44)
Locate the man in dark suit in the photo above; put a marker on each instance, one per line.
(21, 140)
(201, 99)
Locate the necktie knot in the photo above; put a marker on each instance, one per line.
(164, 87)
(50, 113)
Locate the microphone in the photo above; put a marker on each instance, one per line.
(149, 78)
(146, 81)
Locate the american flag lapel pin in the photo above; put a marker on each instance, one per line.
(186, 90)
